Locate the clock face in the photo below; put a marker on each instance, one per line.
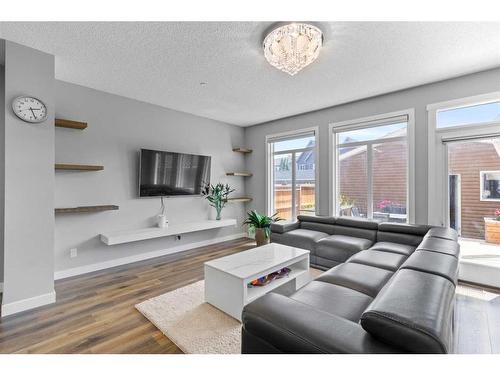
(29, 109)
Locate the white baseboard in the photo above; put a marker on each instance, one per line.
(137, 258)
(28, 303)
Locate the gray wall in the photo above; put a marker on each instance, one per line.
(29, 178)
(417, 98)
(117, 128)
(2, 156)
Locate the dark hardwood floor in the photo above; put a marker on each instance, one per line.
(95, 313)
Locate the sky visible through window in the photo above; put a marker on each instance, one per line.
(469, 115)
(293, 144)
(375, 132)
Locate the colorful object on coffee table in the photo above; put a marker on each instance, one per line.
(264, 280)
(497, 214)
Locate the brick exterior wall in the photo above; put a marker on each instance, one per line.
(389, 175)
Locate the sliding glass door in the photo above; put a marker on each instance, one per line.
(464, 181)
(292, 175)
(371, 164)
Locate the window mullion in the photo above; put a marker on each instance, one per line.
(369, 170)
(271, 185)
(294, 192)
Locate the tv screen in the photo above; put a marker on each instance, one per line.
(165, 173)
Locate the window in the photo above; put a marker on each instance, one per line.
(464, 140)
(371, 164)
(292, 177)
(490, 185)
(468, 115)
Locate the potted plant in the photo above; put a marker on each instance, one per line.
(384, 205)
(216, 195)
(260, 225)
(492, 228)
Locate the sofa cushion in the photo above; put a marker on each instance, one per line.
(277, 324)
(381, 259)
(320, 227)
(440, 245)
(412, 229)
(317, 219)
(340, 248)
(401, 238)
(284, 226)
(302, 238)
(357, 222)
(444, 233)
(365, 279)
(317, 223)
(393, 247)
(356, 227)
(436, 263)
(333, 299)
(413, 312)
(407, 234)
(324, 263)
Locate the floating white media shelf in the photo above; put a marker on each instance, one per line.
(125, 236)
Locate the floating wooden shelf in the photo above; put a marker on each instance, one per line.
(240, 199)
(60, 123)
(241, 174)
(78, 167)
(243, 150)
(83, 209)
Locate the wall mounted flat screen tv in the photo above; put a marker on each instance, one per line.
(164, 173)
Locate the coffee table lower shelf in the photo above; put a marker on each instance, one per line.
(259, 291)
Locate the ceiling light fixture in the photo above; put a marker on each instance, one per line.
(292, 47)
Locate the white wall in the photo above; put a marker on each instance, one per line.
(417, 98)
(29, 183)
(117, 128)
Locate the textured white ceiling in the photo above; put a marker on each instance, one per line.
(164, 63)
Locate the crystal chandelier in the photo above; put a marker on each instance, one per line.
(292, 47)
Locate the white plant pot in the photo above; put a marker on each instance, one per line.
(162, 221)
(212, 214)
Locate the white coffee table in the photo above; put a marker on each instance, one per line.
(226, 278)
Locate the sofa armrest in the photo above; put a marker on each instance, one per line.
(288, 326)
(285, 226)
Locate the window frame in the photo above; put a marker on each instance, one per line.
(368, 122)
(269, 140)
(464, 103)
(481, 187)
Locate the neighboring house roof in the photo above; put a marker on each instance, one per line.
(495, 142)
(360, 149)
(300, 175)
(307, 157)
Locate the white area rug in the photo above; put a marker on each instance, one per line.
(193, 325)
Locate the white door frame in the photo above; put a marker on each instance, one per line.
(458, 212)
(437, 177)
(270, 163)
(366, 122)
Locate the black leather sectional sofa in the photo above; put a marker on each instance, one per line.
(391, 290)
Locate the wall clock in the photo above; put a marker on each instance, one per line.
(29, 109)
